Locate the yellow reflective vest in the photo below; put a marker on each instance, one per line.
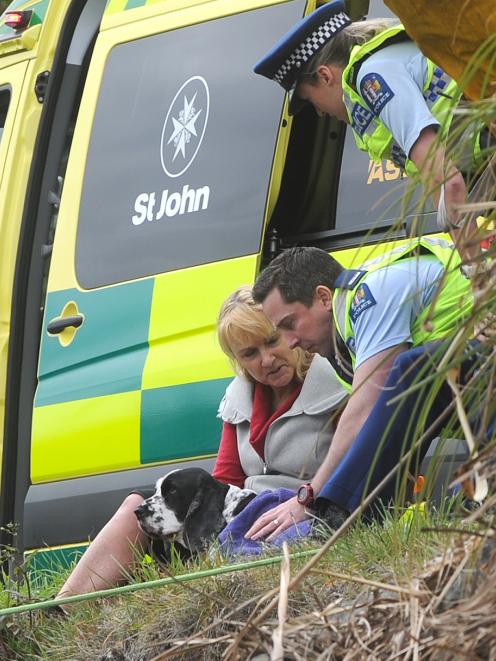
(440, 92)
(450, 305)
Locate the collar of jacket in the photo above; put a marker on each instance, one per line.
(321, 391)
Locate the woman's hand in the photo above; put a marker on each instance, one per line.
(276, 520)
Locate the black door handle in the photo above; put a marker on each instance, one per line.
(58, 324)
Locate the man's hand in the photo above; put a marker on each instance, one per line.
(276, 520)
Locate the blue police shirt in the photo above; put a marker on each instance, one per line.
(391, 82)
(388, 301)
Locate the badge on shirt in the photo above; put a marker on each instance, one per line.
(375, 92)
(360, 118)
(362, 300)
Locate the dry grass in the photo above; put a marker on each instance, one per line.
(446, 612)
(425, 589)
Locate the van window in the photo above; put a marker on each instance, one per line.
(368, 192)
(332, 195)
(4, 106)
(181, 149)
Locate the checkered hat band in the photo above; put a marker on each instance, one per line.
(312, 44)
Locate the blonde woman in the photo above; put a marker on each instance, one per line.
(277, 411)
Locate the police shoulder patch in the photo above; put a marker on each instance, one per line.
(375, 92)
(362, 300)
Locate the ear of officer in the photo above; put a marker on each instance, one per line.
(324, 295)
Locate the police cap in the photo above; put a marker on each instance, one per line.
(284, 61)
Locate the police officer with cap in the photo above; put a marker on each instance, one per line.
(399, 104)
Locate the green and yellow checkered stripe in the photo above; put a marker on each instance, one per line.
(142, 379)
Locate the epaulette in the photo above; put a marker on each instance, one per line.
(349, 278)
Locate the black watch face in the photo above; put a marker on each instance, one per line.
(303, 494)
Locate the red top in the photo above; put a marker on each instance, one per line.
(228, 465)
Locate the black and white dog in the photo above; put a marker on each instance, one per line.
(189, 508)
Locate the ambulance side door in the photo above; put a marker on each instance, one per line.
(160, 219)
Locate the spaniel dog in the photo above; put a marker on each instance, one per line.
(189, 508)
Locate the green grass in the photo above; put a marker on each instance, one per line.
(142, 623)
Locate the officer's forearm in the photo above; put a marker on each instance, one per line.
(464, 232)
(368, 383)
(442, 179)
(350, 423)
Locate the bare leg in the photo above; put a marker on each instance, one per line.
(111, 552)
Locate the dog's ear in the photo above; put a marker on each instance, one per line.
(204, 519)
(243, 503)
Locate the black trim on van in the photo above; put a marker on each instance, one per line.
(63, 95)
(362, 235)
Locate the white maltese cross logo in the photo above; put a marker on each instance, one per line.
(184, 126)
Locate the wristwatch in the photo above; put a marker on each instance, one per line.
(469, 271)
(305, 496)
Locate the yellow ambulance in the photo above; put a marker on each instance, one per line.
(145, 173)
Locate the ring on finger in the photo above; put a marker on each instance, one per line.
(275, 522)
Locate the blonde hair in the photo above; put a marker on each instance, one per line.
(338, 49)
(241, 320)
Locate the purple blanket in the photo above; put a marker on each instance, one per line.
(232, 538)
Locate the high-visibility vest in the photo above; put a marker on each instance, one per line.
(450, 305)
(440, 92)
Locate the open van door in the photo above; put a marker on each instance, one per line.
(11, 84)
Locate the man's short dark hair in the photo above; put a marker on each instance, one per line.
(296, 272)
